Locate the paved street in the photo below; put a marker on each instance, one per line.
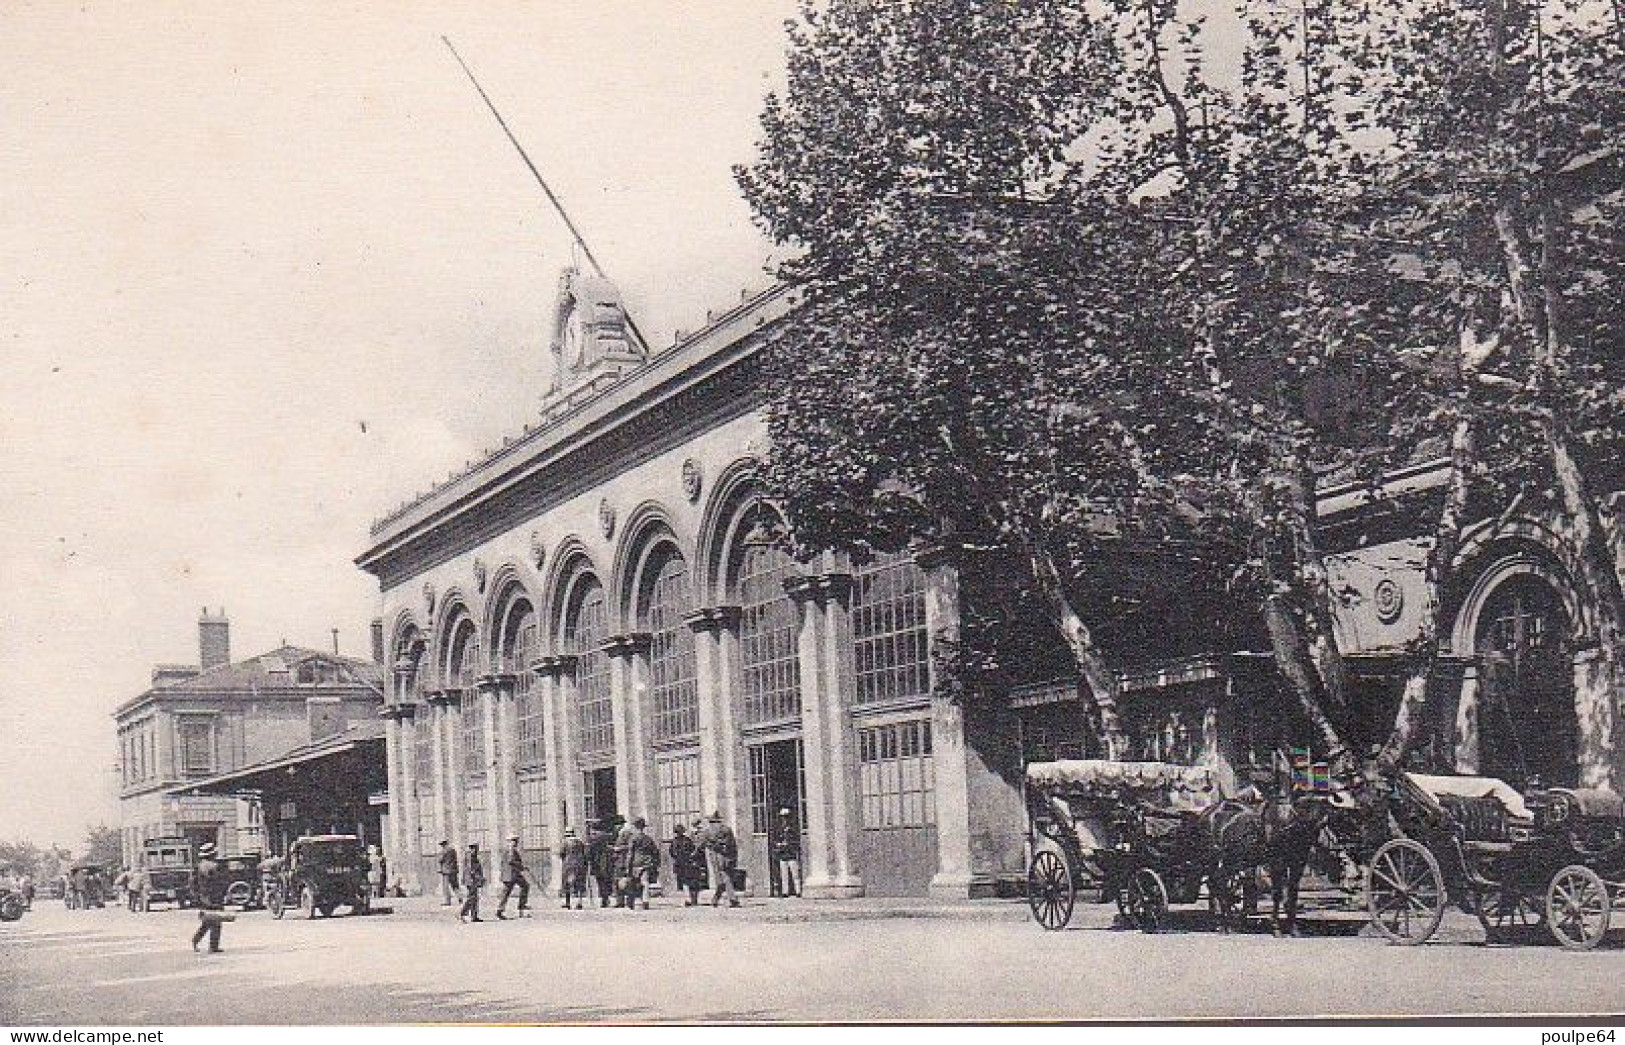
(787, 961)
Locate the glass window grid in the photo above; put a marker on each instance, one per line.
(533, 811)
(672, 674)
(896, 775)
(470, 704)
(767, 637)
(527, 695)
(595, 716)
(677, 780)
(888, 630)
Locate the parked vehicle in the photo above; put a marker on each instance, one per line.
(1133, 833)
(243, 874)
(169, 863)
(12, 901)
(318, 873)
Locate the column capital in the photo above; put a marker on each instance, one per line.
(712, 619)
(819, 588)
(494, 681)
(445, 698)
(632, 642)
(398, 712)
(555, 666)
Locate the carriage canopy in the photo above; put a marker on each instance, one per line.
(1190, 787)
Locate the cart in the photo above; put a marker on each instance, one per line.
(1135, 833)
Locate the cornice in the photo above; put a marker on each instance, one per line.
(820, 588)
(556, 666)
(629, 644)
(712, 619)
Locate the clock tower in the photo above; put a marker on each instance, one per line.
(590, 335)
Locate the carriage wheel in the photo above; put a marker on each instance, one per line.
(1578, 907)
(1405, 891)
(1505, 913)
(1050, 892)
(1227, 896)
(238, 894)
(1147, 900)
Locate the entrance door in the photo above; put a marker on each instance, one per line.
(598, 789)
(1528, 726)
(777, 782)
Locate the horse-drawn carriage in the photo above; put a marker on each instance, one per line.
(1141, 834)
(1556, 860)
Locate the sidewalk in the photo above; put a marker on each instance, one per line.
(752, 909)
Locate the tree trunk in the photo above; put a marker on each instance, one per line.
(1293, 661)
(1314, 586)
(1098, 677)
(1441, 556)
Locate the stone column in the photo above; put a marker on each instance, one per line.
(968, 782)
(837, 694)
(437, 750)
(410, 869)
(1466, 739)
(492, 693)
(557, 675)
(507, 752)
(629, 681)
(1594, 704)
(449, 770)
(719, 726)
(394, 839)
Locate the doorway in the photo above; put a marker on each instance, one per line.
(777, 781)
(1528, 725)
(598, 793)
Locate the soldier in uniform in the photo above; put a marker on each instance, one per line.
(209, 888)
(448, 873)
(573, 855)
(514, 876)
(473, 882)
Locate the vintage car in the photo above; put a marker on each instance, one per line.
(12, 901)
(243, 877)
(168, 863)
(318, 873)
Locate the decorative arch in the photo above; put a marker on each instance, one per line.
(649, 529)
(733, 491)
(457, 626)
(510, 596)
(1520, 550)
(564, 571)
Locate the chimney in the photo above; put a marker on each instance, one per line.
(377, 641)
(213, 639)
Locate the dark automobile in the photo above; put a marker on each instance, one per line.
(12, 901)
(318, 873)
(243, 878)
(168, 863)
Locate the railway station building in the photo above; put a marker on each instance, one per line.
(592, 619)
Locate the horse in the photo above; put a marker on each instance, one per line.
(1276, 835)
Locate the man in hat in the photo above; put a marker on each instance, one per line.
(209, 890)
(448, 873)
(687, 865)
(640, 866)
(473, 882)
(601, 858)
(514, 876)
(787, 851)
(573, 858)
(721, 857)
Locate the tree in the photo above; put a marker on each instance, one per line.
(103, 847)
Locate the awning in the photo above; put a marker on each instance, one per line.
(256, 777)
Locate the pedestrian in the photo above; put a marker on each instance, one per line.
(140, 883)
(448, 873)
(787, 851)
(573, 857)
(640, 866)
(375, 874)
(473, 882)
(721, 857)
(514, 876)
(687, 865)
(209, 890)
(601, 859)
(121, 885)
(28, 892)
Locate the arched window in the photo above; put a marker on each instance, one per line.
(462, 667)
(674, 694)
(520, 645)
(1528, 726)
(888, 630)
(584, 636)
(767, 632)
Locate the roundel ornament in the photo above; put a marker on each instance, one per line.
(1390, 600)
(606, 518)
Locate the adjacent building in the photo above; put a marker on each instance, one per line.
(199, 721)
(594, 619)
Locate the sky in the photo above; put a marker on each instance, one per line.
(268, 269)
